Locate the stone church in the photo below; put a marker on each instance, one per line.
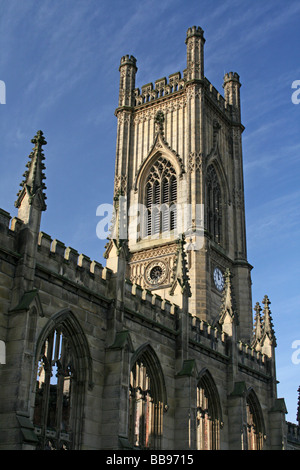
(162, 348)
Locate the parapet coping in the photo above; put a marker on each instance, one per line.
(81, 287)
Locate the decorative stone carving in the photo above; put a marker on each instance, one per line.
(120, 185)
(195, 161)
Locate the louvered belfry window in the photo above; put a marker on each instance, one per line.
(161, 198)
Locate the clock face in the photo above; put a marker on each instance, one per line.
(156, 273)
(219, 279)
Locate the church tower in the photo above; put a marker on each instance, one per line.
(179, 174)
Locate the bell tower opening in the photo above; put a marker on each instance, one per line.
(161, 198)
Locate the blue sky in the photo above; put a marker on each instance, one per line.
(59, 61)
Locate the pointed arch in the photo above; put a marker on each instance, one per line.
(73, 329)
(216, 196)
(255, 422)
(215, 159)
(159, 148)
(209, 413)
(146, 351)
(158, 195)
(147, 399)
(63, 370)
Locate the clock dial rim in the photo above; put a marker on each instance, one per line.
(154, 281)
(218, 284)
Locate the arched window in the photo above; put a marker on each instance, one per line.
(208, 414)
(62, 369)
(54, 389)
(161, 198)
(213, 205)
(255, 425)
(146, 403)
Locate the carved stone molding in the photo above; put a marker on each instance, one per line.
(124, 117)
(193, 91)
(120, 184)
(166, 107)
(141, 263)
(238, 198)
(195, 162)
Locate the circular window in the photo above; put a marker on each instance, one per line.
(156, 273)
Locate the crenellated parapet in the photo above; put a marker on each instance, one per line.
(208, 336)
(214, 339)
(66, 263)
(229, 104)
(148, 307)
(161, 89)
(251, 359)
(9, 229)
(175, 85)
(293, 436)
(5, 218)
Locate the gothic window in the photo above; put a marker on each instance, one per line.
(214, 205)
(161, 198)
(208, 415)
(255, 427)
(63, 369)
(145, 405)
(55, 381)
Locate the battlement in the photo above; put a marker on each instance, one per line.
(4, 218)
(9, 228)
(177, 82)
(231, 76)
(55, 260)
(128, 60)
(208, 336)
(293, 434)
(213, 338)
(161, 88)
(218, 99)
(250, 358)
(67, 262)
(150, 307)
(194, 31)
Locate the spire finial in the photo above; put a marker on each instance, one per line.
(39, 140)
(180, 272)
(33, 184)
(267, 319)
(227, 301)
(257, 322)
